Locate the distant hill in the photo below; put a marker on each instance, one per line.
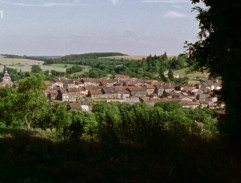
(45, 57)
(96, 55)
(83, 59)
(12, 56)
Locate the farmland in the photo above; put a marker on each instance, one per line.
(25, 64)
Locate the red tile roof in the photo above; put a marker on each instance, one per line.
(136, 89)
(150, 87)
(95, 92)
(75, 106)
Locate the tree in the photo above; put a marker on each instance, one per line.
(168, 106)
(170, 74)
(162, 76)
(218, 50)
(30, 101)
(36, 69)
(7, 103)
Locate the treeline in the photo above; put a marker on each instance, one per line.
(40, 58)
(74, 69)
(12, 56)
(82, 59)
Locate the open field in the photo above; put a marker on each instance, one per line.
(193, 77)
(86, 69)
(25, 65)
(16, 61)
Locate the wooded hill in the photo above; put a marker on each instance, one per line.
(82, 59)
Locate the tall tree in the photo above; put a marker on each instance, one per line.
(170, 74)
(7, 103)
(31, 100)
(218, 50)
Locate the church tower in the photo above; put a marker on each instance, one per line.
(6, 79)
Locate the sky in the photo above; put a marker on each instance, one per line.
(61, 27)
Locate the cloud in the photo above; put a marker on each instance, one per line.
(174, 14)
(47, 4)
(114, 2)
(167, 1)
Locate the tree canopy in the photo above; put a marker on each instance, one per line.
(218, 50)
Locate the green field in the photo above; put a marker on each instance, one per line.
(193, 77)
(25, 65)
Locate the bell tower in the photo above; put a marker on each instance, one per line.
(6, 79)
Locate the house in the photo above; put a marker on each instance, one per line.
(175, 94)
(109, 92)
(159, 90)
(87, 107)
(84, 106)
(137, 91)
(74, 106)
(150, 82)
(211, 99)
(90, 82)
(132, 100)
(63, 94)
(61, 82)
(168, 88)
(123, 93)
(107, 82)
(70, 84)
(74, 94)
(69, 94)
(95, 93)
(211, 85)
(52, 94)
(149, 89)
(187, 88)
(83, 91)
(189, 104)
(202, 96)
(203, 104)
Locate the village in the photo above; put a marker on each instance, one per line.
(124, 89)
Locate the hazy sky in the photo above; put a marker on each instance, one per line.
(60, 27)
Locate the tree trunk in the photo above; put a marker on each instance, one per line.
(28, 123)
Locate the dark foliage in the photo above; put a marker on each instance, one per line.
(219, 51)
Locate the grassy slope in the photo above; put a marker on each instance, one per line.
(193, 77)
